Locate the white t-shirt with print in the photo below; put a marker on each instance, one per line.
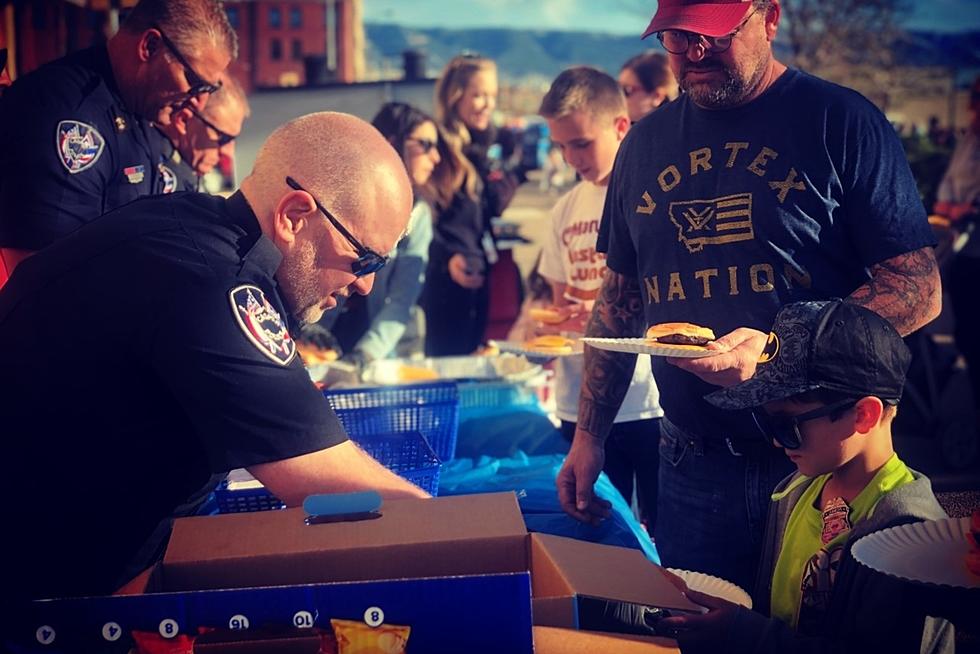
(569, 257)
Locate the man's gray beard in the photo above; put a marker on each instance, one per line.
(731, 93)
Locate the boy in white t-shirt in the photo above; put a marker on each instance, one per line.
(586, 113)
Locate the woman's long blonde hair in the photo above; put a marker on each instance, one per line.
(449, 90)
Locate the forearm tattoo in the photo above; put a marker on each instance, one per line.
(904, 289)
(618, 313)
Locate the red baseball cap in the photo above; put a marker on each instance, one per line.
(707, 17)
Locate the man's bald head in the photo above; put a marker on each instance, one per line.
(342, 161)
(346, 165)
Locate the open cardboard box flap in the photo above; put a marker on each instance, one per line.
(446, 536)
(564, 570)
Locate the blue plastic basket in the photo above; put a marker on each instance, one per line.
(485, 394)
(429, 409)
(245, 500)
(407, 454)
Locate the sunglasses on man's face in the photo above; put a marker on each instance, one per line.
(785, 430)
(368, 261)
(198, 85)
(224, 138)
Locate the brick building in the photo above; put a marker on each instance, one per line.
(297, 42)
(281, 43)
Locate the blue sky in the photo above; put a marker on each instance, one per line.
(615, 16)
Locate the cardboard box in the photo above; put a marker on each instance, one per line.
(552, 640)
(445, 536)
(453, 569)
(576, 584)
(457, 570)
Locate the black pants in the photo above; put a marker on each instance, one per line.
(455, 317)
(964, 274)
(632, 452)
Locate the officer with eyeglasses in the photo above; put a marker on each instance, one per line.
(761, 185)
(195, 140)
(182, 363)
(74, 135)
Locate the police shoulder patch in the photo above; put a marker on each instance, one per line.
(262, 324)
(169, 179)
(79, 145)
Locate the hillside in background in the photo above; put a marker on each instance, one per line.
(535, 55)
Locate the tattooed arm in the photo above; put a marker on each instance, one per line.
(904, 289)
(618, 312)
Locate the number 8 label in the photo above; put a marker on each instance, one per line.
(168, 628)
(374, 616)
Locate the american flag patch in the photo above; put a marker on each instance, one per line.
(713, 222)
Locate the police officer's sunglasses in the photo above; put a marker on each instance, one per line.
(199, 86)
(224, 138)
(785, 430)
(679, 42)
(368, 261)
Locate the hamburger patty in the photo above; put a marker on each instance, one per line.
(681, 339)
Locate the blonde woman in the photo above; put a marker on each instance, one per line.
(456, 296)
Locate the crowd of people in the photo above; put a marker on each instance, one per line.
(808, 251)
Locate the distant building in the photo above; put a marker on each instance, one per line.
(290, 43)
(298, 42)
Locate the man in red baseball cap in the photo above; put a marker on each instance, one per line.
(758, 187)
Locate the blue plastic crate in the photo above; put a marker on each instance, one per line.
(245, 500)
(430, 409)
(486, 394)
(407, 454)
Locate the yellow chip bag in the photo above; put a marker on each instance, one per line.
(358, 638)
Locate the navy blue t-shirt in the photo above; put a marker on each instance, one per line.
(725, 216)
(142, 355)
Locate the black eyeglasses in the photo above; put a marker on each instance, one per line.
(679, 42)
(368, 261)
(224, 138)
(426, 145)
(199, 86)
(785, 430)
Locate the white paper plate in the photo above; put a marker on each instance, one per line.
(643, 346)
(930, 552)
(535, 356)
(709, 585)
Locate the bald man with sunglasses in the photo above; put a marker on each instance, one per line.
(75, 135)
(182, 358)
(195, 140)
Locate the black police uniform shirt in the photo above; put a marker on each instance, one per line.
(141, 354)
(174, 173)
(70, 151)
(725, 216)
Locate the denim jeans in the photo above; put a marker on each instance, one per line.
(712, 503)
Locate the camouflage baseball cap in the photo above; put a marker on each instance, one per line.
(834, 345)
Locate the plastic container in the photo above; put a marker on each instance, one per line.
(431, 409)
(407, 454)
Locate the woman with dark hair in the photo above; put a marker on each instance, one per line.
(647, 83)
(456, 297)
(385, 322)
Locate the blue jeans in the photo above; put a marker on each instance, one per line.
(712, 503)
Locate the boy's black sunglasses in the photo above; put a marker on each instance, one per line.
(785, 430)
(199, 86)
(368, 261)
